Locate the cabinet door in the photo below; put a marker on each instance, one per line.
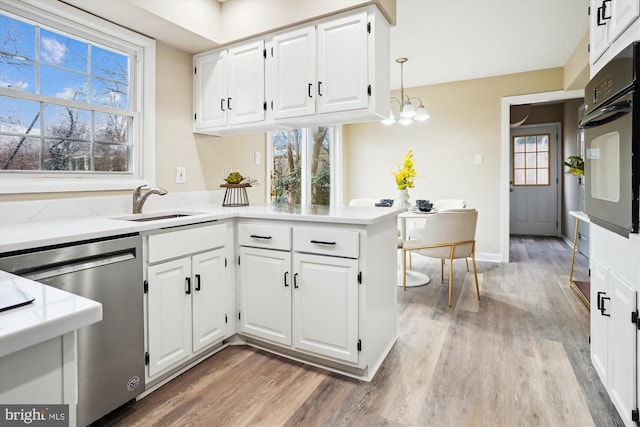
(598, 34)
(265, 294)
(599, 330)
(621, 380)
(294, 73)
(208, 300)
(245, 85)
(210, 90)
(342, 64)
(169, 313)
(623, 13)
(325, 306)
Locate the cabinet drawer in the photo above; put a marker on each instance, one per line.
(183, 242)
(326, 241)
(265, 236)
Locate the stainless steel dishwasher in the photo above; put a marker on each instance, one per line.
(110, 352)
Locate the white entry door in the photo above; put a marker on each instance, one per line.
(534, 180)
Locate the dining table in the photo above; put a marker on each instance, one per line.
(414, 278)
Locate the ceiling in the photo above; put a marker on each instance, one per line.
(444, 40)
(450, 40)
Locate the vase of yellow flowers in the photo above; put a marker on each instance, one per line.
(405, 177)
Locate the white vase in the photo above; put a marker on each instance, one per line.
(403, 198)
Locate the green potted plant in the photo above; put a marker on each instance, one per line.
(575, 164)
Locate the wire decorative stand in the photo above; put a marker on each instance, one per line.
(235, 195)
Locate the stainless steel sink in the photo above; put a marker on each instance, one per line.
(157, 216)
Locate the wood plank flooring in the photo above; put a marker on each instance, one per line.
(519, 357)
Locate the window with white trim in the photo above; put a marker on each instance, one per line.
(72, 97)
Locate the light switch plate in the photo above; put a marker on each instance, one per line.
(181, 175)
(256, 157)
(478, 159)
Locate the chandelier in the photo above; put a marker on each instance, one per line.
(408, 111)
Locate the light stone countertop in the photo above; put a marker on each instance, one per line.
(54, 312)
(35, 234)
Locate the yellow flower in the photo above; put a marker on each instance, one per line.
(406, 174)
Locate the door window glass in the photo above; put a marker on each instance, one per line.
(531, 160)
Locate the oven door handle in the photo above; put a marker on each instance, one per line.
(606, 114)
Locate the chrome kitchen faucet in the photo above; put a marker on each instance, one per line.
(139, 198)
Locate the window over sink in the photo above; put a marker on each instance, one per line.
(73, 90)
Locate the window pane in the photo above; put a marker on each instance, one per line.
(19, 116)
(531, 144)
(63, 84)
(65, 122)
(287, 165)
(65, 155)
(320, 166)
(109, 93)
(543, 176)
(518, 177)
(63, 51)
(530, 177)
(17, 73)
(518, 144)
(111, 128)
(531, 160)
(543, 160)
(111, 158)
(19, 153)
(17, 37)
(518, 160)
(110, 65)
(543, 142)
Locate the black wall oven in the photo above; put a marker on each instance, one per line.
(612, 144)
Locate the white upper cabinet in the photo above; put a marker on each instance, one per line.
(335, 70)
(229, 87)
(613, 24)
(293, 77)
(245, 83)
(210, 90)
(343, 82)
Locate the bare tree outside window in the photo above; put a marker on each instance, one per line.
(290, 163)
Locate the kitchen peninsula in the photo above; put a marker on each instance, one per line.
(311, 283)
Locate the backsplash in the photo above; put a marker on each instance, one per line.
(52, 210)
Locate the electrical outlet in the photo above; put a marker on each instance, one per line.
(181, 175)
(256, 157)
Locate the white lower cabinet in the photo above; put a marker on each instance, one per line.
(308, 300)
(614, 324)
(185, 296)
(325, 306)
(265, 294)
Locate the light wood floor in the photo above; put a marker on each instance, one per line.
(519, 357)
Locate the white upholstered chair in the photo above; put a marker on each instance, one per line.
(363, 202)
(447, 235)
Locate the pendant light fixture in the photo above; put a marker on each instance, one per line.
(408, 112)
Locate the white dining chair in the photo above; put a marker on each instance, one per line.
(447, 235)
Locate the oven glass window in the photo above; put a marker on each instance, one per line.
(604, 156)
